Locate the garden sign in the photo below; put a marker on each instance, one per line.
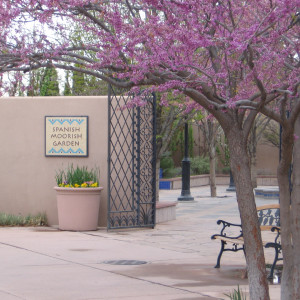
(66, 136)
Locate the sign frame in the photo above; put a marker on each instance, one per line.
(83, 124)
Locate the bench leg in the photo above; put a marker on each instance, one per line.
(277, 251)
(220, 254)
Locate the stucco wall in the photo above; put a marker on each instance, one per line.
(27, 176)
(267, 159)
(267, 155)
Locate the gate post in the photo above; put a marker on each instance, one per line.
(131, 159)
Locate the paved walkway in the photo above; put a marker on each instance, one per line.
(45, 263)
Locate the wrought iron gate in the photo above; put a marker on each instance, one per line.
(131, 163)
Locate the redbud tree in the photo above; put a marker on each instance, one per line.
(234, 58)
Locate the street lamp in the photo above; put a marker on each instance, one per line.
(186, 167)
(231, 187)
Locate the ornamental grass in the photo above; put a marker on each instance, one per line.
(79, 177)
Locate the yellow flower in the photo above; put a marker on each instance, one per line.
(84, 184)
(76, 185)
(95, 184)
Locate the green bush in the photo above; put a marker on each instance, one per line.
(226, 170)
(172, 172)
(166, 161)
(12, 220)
(199, 165)
(167, 164)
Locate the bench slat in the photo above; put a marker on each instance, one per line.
(239, 241)
(268, 206)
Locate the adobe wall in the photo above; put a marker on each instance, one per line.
(27, 176)
(267, 155)
(267, 159)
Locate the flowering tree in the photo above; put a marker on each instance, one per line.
(234, 58)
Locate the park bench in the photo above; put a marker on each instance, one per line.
(231, 235)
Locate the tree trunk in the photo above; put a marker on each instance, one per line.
(253, 172)
(210, 131)
(252, 152)
(212, 171)
(295, 214)
(285, 212)
(240, 166)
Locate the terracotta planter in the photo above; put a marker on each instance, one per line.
(78, 208)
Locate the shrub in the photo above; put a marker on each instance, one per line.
(226, 170)
(199, 165)
(166, 161)
(172, 172)
(12, 220)
(166, 164)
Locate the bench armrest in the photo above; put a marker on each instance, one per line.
(226, 225)
(275, 228)
(277, 238)
(276, 243)
(273, 245)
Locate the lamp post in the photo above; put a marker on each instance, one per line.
(186, 167)
(231, 187)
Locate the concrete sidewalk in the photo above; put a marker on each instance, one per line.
(178, 256)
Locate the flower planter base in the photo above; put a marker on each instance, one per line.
(78, 208)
